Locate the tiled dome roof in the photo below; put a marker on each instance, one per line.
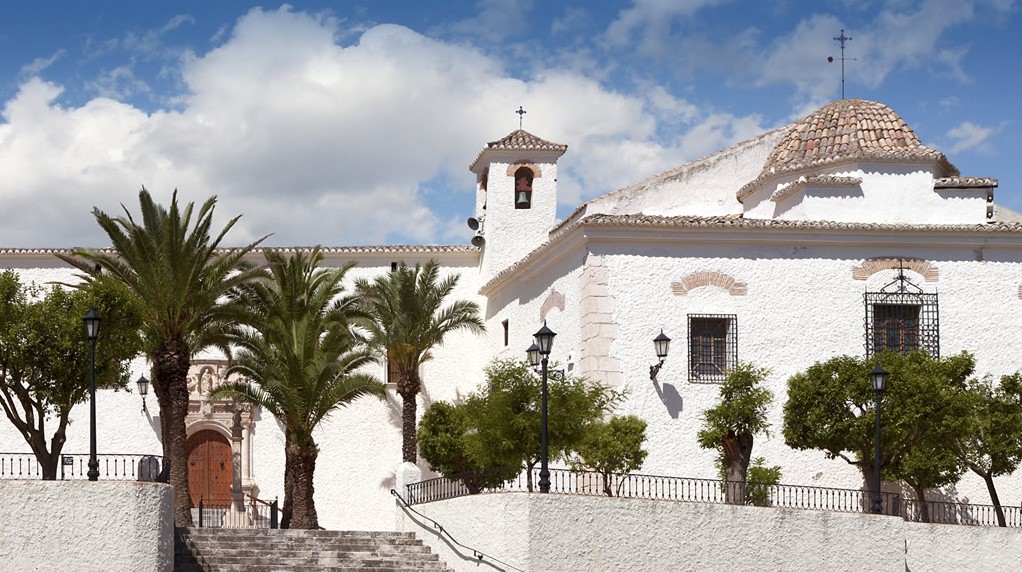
(849, 129)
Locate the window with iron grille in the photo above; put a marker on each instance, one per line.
(900, 317)
(712, 346)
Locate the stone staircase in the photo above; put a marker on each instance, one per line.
(265, 550)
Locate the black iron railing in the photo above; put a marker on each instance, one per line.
(112, 467)
(666, 488)
(249, 512)
(942, 512)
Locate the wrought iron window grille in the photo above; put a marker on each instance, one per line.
(901, 317)
(712, 346)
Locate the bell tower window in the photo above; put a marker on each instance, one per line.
(523, 188)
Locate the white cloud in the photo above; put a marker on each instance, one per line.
(118, 83)
(314, 141)
(650, 20)
(801, 58)
(39, 64)
(969, 136)
(496, 19)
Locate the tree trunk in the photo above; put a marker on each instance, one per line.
(608, 483)
(989, 479)
(171, 362)
(287, 509)
(737, 456)
(56, 446)
(408, 385)
(924, 507)
(303, 468)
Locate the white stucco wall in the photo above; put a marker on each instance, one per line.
(88, 526)
(887, 194)
(705, 187)
(511, 233)
(800, 302)
(537, 532)
(802, 306)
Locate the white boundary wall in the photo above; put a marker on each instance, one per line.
(537, 533)
(87, 526)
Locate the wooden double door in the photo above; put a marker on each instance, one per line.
(210, 467)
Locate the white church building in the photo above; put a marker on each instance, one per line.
(765, 252)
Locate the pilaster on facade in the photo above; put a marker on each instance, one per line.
(599, 330)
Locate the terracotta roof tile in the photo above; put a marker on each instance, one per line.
(519, 140)
(846, 130)
(964, 183)
(342, 250)
(815, 181)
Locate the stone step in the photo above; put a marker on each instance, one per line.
(277, 568)
(317, 541)
(314, 557)
(212, 553)
(263, 550)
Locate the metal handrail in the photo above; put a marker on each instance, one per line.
(480, 556)
(950, 512)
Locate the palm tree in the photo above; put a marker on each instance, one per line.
(303, 358)
(405, 318)
(182, 288)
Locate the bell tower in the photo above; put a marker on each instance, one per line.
(516, 197)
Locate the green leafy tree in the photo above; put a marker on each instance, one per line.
(442, 441)
(506, 415)
(759, 480)
(44, 358)
(496, 430)
(830, 407)
(303, 360)
(612, 447)
(182, 287)
(407, 314)
(731, 426)
(991, 446)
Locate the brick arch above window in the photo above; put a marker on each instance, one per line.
(554, 300)
(718, 279)
(871, 266)
(536, 172)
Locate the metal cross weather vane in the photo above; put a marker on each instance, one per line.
(842, 39)
(521, 112)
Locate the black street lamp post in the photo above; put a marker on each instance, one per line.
(92, 332)
(544, 341)
(879, 379)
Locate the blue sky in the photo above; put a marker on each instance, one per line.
(348, 123)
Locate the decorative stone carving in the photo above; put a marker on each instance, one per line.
(871, 266)
(233, 420)
(700, 279)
